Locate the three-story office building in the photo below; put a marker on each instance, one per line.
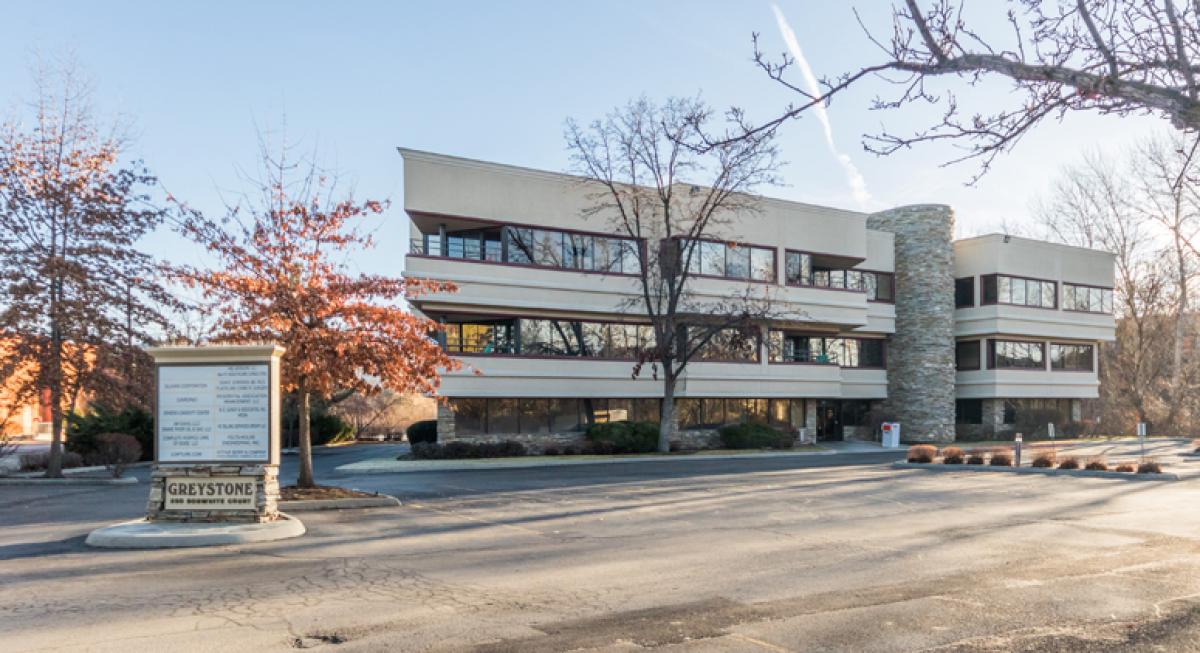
(542, 316)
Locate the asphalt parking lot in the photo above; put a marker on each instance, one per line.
(821, 553)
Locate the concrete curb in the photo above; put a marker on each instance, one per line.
(300, 505)
(1044, 471)
(38, 480)
(143, 534)
(391, 466)
(69, 471)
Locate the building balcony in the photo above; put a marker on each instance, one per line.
(514, 376)
(486, 282)
(1027, 384)
(1032, 321)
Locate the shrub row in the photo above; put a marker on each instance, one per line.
(754, 436)
(36, 462)
(1001, 457)
(422, 431)
(114, 450)
(459, 450)
(623, 437)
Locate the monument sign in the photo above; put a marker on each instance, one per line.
(216, 433)
(210, 413)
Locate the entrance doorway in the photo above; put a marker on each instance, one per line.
(829, 419)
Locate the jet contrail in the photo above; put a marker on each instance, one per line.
(858, 185)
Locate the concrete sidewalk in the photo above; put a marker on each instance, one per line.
(392, 466)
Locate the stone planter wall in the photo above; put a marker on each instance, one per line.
(266, 493)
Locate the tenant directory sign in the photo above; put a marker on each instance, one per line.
(214, 413)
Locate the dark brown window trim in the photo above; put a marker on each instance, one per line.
(530, 266)
(991, 356)
(600, 359)
(639, 242)
(694, 275)
(737, 244)
(1088, 285)
(758, 346)
(493, 315)
(976, 292)
(801, 285)
(1057, 292)
(983, 353)
(522, 225)
(1091, 361)
(844, 367)
(890, 274)
(801, 334)
(788, 284)
(831, 255)
(483, 318)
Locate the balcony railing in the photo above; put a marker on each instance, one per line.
(537, 248)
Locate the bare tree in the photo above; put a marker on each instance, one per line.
(1136, 206)
(386, 413)
(1164, 170)
(655, 178)
(76, 293)
(1089, 206)
(1111, 56)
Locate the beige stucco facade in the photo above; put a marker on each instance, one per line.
(1031, 259)
(446, 196)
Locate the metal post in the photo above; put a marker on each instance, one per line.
(1017, 450)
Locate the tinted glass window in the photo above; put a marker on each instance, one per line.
(966, 355)
(1071, 358)
(968, 411)
(1008, 354)
(470, 415)
(964, 292)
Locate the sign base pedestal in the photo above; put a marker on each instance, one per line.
(229, 492)
(145, 534)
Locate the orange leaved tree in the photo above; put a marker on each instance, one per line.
(283, 278)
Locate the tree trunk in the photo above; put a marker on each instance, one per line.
(54, 462)
(306, 466)
(1181, 314)
(667, 419)
(55, 377)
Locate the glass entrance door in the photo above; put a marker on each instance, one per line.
(829, 419)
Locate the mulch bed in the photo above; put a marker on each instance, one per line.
(293, 493)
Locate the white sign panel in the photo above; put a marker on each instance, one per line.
(213, 493)
(214, 413)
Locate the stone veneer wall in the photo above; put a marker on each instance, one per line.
(859, 434)
(266, 493)
(920, 358)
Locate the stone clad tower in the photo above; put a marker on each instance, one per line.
(920, 360)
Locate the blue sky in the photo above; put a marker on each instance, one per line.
(495, 81)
